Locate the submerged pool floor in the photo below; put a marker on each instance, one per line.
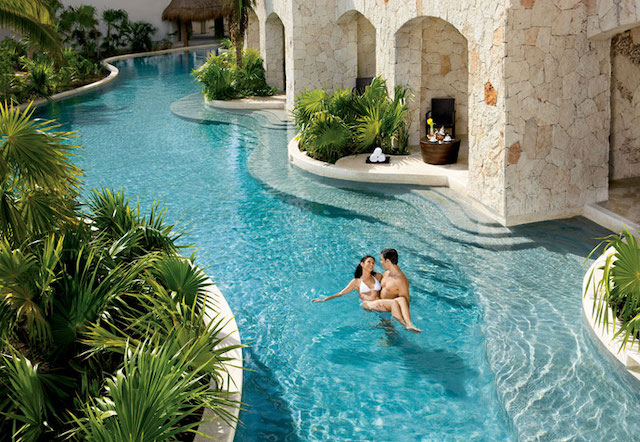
(504, 354)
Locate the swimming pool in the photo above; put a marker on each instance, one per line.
(503, 356)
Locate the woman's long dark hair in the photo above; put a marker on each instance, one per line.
(358, 273)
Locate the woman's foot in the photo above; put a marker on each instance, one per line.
(413, 329)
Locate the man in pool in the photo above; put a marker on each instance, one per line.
(395, 284)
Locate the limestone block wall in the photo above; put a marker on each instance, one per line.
(624, 157)
(321, 51)
(557, 111)
(609, 17)
(445, 70)
(366, 41)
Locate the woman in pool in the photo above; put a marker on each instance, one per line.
(367, 283)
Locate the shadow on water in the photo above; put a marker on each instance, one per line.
(437, 365)
(267, 409)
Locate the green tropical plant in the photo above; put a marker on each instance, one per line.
(33, 19)
(118, 30)
(238, 22)
(80, 294)
(372, 119)
(148, 398)
(41, 78)
(140, 36)
(79, 26)
(125, 231)
(222, 79)
(38, 181)
(327, 137)
(619, 288)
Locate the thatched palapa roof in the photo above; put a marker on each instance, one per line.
(196, 10)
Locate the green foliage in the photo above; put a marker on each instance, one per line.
(327, 137)
(11, 51)
(147, 399)
(358, 123)
(118, 30)
(31, 19)
(38, 182)
(221, 78)
(80, 295)
(79, 27)
(125, 231)
(619, 288)
(140, 36)
(226, 43)
(41, 78)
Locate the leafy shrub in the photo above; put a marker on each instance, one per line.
(41, 80)
(222, 80)
(140, 37)
(11, 50)
(619, 287)
(372, 119)
(103, 327)
(79, 28)
(118, 30)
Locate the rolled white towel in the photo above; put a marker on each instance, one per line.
(373, 158)
(381, 158)
(377, 151)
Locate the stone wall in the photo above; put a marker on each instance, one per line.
(252, 37)
(275, 52)
(557, 111)
(624, 157)
(609, 17)
(322, 55)
(445, 70)
(366, 48)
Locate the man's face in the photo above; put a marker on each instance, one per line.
(384, 262)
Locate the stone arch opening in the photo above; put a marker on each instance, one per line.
(624, 149)
(360, 44)
(432, 59)
(275, 52)
(252, 39)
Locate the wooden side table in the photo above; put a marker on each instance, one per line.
(439, 152)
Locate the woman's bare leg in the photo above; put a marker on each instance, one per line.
(399, 308)
(403, 304)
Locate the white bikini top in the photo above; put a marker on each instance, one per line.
(364, 288)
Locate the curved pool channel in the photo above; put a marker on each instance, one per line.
(504, 354)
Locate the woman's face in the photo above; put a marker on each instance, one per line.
(368, 264)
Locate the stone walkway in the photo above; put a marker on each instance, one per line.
(624, 198)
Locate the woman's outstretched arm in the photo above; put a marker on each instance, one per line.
(350, 287)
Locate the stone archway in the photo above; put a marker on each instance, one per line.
(275, 52)
(432, 60)
(252, 39)
(624, 150)
(360, 44)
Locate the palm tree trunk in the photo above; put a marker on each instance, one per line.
(186, 35)
(239, 47)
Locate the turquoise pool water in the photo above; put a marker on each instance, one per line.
(504, 354)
